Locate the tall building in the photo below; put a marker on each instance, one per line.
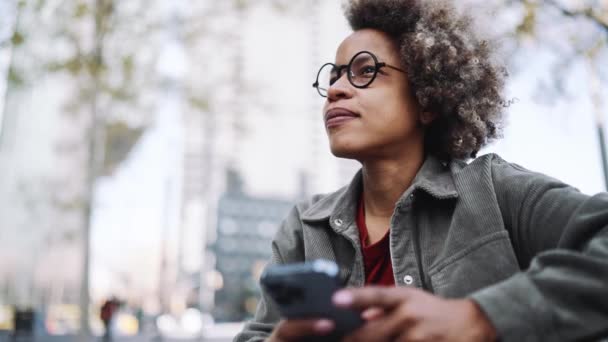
(42, 173)
(245, 228)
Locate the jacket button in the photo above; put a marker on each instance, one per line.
(408, 280)
(338, 222)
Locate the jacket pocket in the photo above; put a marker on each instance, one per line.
(484, 262)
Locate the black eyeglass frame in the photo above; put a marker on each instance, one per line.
(339, 68)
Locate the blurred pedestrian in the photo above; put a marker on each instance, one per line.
(107, 312)
(139, 316)
(23, 320)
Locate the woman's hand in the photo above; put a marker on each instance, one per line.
(294, 330)
(407, 314)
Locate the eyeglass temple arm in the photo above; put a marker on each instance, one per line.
(382, 64)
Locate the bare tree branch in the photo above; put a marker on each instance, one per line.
(587, 13)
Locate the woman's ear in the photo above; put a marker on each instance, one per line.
(427, 117)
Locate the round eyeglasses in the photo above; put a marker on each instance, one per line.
(361, 72)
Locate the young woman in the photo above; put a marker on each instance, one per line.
(434, 246)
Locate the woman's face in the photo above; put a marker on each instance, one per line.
(380, 121)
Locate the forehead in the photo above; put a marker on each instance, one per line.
(377, 42)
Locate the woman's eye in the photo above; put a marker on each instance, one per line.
(367, 70)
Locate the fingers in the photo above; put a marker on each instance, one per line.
(289, 330)
(386, 328)
(372, 313)
(386, 298)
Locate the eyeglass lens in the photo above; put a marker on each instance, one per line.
(361, 72)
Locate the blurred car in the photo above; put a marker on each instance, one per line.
(62, 319)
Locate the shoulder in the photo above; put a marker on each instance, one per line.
(321, 206)
(512, 180)
(316, 207)
(481, 164)
(288, 242)
(501, 171)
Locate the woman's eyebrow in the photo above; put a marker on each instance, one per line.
(366, 58)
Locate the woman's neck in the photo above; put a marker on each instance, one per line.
(384, 181)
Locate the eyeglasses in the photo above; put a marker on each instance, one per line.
(362, 71)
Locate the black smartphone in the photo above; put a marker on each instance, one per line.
(304, 290)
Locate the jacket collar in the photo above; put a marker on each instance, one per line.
(434, 177)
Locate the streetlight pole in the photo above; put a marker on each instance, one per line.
(602, 141)
(4, 114)
(596, 101)
(96, 152)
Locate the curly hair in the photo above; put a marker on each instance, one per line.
(451, 70)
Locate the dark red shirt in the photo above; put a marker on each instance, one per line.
(376, 257)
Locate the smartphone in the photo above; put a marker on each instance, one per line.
(304, 290)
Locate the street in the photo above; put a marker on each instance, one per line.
(4, 337)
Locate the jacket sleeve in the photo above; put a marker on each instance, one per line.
(560, 237)
(287, 247)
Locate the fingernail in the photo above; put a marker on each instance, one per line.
(343, 298)
(368, 314)
(323, 325)
(371, 314)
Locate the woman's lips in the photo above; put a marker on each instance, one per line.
(338, 116)
(338, 120)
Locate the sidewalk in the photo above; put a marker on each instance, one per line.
(4, 337)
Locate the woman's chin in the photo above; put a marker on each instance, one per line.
(347, 152)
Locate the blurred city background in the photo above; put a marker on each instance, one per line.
(150, 148)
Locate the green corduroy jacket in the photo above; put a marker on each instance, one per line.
(529, 249)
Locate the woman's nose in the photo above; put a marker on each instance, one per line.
(340, 89)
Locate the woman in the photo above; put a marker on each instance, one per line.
(476, 252)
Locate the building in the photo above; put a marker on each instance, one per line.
(245, 229)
